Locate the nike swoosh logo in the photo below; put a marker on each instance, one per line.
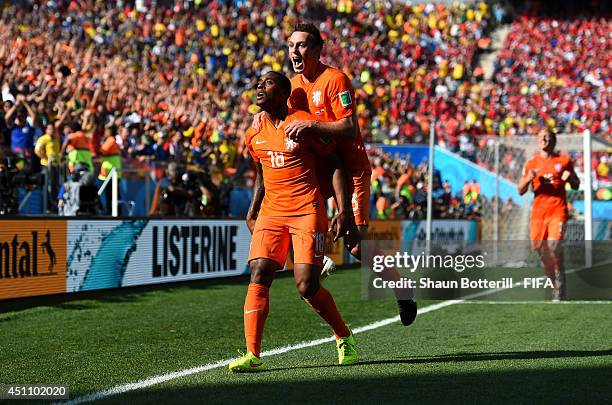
(317, 256)
(251, 310)
(258, 142)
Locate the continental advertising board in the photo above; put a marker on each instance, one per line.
(41, 257)
(32, 258)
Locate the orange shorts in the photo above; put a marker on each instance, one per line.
(546, 228)
(272, 236)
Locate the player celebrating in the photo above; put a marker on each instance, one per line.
(548, 172)
(292, 211)
(327, 93)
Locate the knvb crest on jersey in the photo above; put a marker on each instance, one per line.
(290, 144)
(316, 97)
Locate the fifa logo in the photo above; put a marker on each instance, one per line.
(316, 97)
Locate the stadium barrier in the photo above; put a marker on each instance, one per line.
(60, 255)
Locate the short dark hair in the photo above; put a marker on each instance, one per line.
(315, 34)
(283, 81)
(75, 126)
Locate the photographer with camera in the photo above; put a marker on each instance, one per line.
(11, 180)
(79, 195)
(170, 197)
(185, 193)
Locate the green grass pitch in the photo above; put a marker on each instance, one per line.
(461, 353)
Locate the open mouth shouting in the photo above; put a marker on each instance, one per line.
(260, 95)
(298, 63)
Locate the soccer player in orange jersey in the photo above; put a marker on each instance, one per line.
(548, 172)
(291, 212)
(327, 93)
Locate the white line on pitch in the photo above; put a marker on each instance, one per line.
(120, 389)
(536, 302)
(148, 382)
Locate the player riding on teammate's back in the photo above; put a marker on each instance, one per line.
(327, 93)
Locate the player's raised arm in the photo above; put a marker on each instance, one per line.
(528, 175)
(570, 176)
(258, 194)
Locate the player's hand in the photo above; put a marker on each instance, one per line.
(338, 225)
(565, 175)
(257, 118)
(296, 130)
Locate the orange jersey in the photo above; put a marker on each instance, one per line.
(77, 140)
(330, 97)
(110, 147)
(288, 168)
(548, 187)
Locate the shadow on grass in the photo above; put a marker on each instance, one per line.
(466, 357)
(121, 295)
(567, 385)
(70, 301)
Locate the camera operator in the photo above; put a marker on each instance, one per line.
(170, 197)
(9, 197)
(79, 195)
(204, 195)
(11, 179)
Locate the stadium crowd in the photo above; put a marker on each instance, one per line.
(400, 187)
(173, 82)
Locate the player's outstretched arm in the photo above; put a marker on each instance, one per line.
(258, 194)
(339, 223)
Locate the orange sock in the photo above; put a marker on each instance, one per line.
(323, 303)
(256, 306)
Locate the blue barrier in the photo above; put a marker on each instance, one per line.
(457, 170)
(602, 210)
(415, 153)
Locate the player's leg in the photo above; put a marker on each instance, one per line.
(538, 230)
(308, 286)
(360, 204)
(405, 298)
(269, 246)
(308, 238)
(556, 232)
